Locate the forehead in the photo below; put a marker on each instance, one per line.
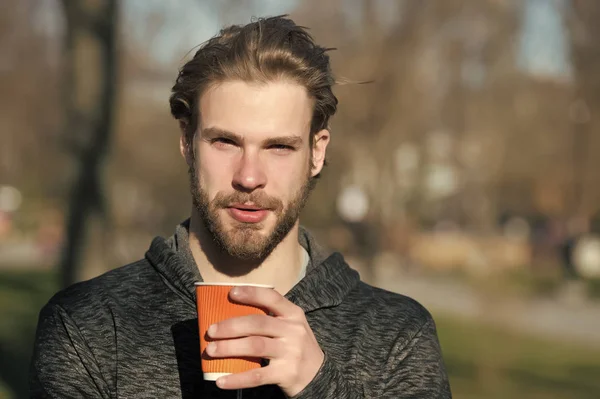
(257, 109)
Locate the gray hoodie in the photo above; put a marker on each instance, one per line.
(133, 333)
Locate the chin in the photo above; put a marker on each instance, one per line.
(247, 245)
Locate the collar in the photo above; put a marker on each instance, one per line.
(327, 281)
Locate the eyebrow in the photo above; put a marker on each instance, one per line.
(213, 132)
(292, 141)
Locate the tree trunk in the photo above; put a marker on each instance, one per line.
(90, 93)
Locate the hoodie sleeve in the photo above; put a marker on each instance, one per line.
(63, 365)
(414, 370)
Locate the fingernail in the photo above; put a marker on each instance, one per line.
(211, 348)
(236, 291)
(212, 330)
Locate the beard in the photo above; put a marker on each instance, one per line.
(245, 241)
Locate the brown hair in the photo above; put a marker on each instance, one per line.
(264, 50)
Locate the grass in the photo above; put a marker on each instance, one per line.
(483, 362)
(22, 295)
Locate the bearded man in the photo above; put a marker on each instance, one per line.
(253, 107)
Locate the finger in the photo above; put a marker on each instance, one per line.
(248, 379)
(266, 298)
(244, 326)
(262, 347)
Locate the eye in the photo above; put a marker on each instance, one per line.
(281, 148)
(222, 142)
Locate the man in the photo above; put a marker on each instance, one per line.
(253, 107)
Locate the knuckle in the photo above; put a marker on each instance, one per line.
(236, 326)
(226, 327)
(256, 377)
(298, 312)
(299, 329)
(217, 348)
(280, 301)
(257, 345)
(261, 321)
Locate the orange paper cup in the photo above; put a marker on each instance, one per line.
(213, 306)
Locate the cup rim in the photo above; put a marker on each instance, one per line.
(198, 283)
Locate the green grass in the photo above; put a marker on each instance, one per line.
(22, 295)
(483, 362)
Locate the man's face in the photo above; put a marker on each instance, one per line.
(251, 171)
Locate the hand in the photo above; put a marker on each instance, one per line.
(285, 339)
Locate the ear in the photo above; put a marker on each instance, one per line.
(319, 150)
(186, 149)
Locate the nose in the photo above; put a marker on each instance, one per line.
(249, 174)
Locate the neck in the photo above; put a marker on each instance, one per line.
(280, 269)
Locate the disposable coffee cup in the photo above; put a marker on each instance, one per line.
(213, 306)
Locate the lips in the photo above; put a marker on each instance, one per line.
(244, 213)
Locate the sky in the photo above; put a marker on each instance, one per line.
(544, 49)
(187, 23)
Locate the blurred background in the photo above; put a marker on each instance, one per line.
(466, 176)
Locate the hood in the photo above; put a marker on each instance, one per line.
(327, 281)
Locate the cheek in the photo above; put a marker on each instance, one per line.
(214, 172)
(286, 175)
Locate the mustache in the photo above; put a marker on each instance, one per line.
(257, 198)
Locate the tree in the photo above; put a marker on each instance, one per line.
(89, 100)
(585, 50)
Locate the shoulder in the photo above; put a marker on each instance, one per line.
(86, 297)
(390, 309)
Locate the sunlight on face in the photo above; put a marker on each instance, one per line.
(251, 174)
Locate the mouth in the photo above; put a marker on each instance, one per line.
(247, 207)
(247, 213)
